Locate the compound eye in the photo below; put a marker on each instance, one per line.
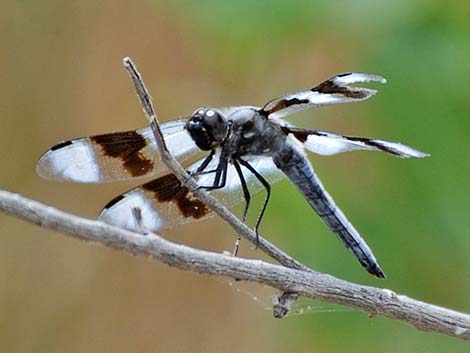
(207, 115)
(210, 113)
(215, 123)
(199, 114)
(211, 117)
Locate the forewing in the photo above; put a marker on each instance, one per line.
(328, 143)
(332, 91)
(114, 156)
(165, 203)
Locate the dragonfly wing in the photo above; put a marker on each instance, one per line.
(328, 143)
(114, 156)
(335, 90)
(165, 202)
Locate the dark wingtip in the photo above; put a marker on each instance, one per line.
(112, 203)
(60, 145)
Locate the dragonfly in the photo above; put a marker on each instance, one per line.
(248, 148)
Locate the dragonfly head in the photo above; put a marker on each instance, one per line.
(207, 128)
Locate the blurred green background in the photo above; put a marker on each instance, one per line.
(61, 77)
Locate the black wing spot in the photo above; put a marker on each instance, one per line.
(302, 134)
(126, 146)
(374, 143)
(286, 103)
(329, 87)
(169, 189)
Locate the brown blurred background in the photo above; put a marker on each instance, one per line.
(61, 77)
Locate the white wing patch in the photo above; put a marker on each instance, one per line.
(327, 144)
(355, 77)
(121, 214)
(60, 162)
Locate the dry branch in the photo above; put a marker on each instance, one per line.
(375, 301)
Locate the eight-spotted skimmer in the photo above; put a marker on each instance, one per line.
(250, 148)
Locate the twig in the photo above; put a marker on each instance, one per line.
(375, 301)
(176, 168)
